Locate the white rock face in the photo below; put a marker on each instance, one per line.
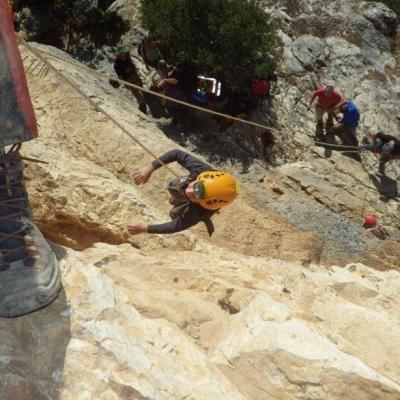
(171, 324)
(249, 314)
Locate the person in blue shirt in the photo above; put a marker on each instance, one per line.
(346, 129)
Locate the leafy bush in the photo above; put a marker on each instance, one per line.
(229, 39)
(68, 23)
(393, 4)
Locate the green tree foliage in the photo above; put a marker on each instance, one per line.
(230, 39)
(393, 4)
(67, 23)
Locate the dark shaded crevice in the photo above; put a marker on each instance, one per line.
(78, 234)
(230, 144)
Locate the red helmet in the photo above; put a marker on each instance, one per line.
(370, 221)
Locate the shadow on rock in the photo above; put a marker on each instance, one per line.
(386, 186)
(156, 109)
(223, 141)
(205, 137)
(32, 354)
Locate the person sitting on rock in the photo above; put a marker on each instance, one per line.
(195, 197)
(346, 129)
(387, 145)
(126, 70)
(328, 99)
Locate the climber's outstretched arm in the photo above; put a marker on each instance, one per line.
(181, 223)
(186, 160)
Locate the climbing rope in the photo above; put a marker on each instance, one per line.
(356, 150)
(366, 193)
(94, 104)
(132, 85)
(46, 66)
(340, 145)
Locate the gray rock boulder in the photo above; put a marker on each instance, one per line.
(311, 51)
(384, 19)
(118, 5)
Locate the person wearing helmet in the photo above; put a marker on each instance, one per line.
(370, 221)
(371, 225)
(195, 198)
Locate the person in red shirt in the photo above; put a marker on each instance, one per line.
(328, 99)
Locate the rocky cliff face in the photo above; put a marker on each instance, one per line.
(259, 311)
(354, 44)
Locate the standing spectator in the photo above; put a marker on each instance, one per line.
(165, 70)
(17, 21)
(126, 70)
(29, 270)
(149, 51)
(169, 87)
(328, 99)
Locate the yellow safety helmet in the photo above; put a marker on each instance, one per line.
(215, 189)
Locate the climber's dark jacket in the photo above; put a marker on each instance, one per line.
(186, 214)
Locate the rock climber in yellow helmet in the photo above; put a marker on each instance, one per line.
(195, 198)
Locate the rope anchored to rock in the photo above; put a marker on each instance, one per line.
(152, 92)
(93, 103)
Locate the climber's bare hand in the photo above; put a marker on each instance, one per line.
(137, 229)
(143, 175)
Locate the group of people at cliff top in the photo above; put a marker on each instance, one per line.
(332, 103)
(185, 83)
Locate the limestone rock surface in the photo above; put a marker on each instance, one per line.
(132, 324)
(383, 18)
(291, 298)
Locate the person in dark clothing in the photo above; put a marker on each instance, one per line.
(126, 70)
(17, 21)
(387, 145)
(195, 198)
(169, 87)
(186, 74)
